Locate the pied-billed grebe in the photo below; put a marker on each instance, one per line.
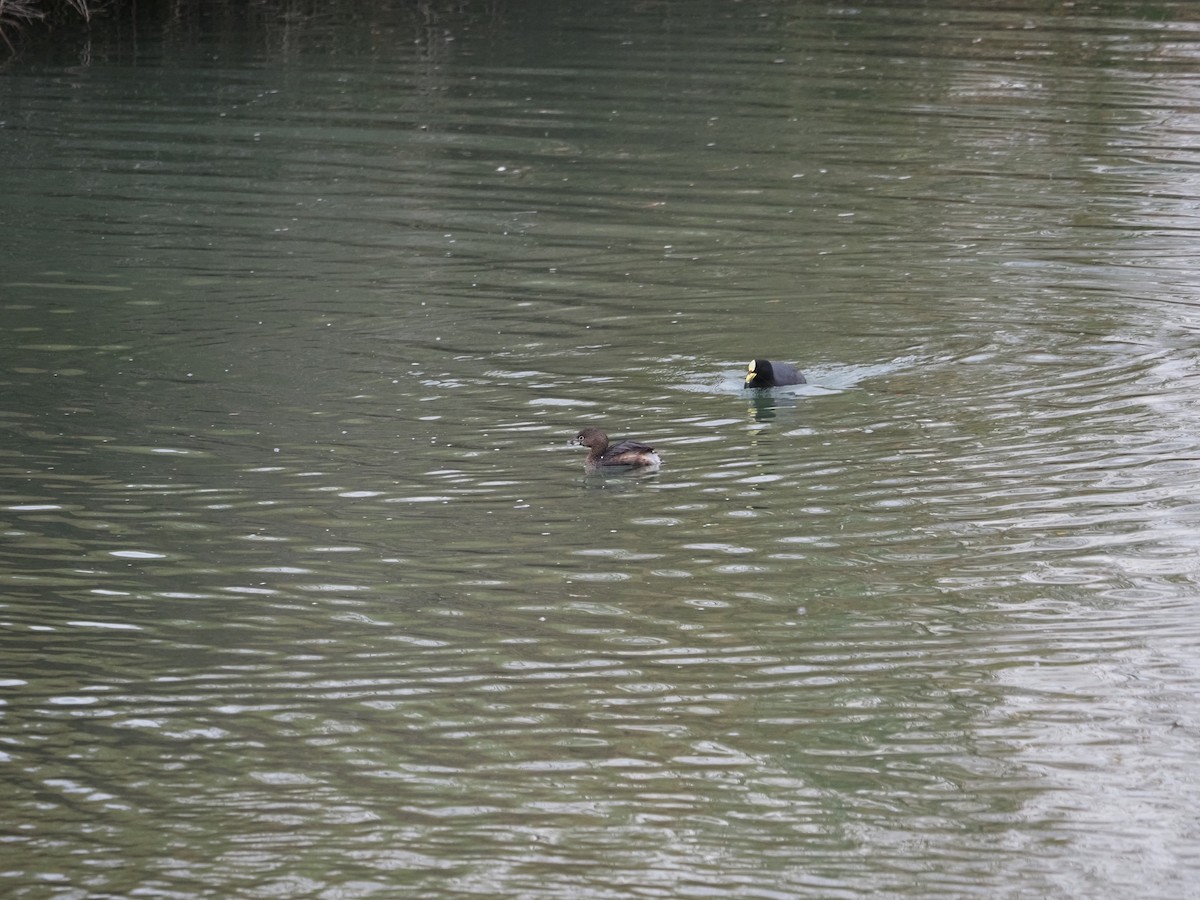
(625, 455)
(762, 373)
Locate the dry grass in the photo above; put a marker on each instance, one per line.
(16, 14)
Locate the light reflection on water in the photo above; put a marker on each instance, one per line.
(297, 564)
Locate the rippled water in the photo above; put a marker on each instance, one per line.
(304, 593)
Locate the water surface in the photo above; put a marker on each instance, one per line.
(305, 594)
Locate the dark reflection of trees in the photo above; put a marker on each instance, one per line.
(284, 29)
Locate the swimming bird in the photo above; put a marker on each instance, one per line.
(614, 457)
(762, 373)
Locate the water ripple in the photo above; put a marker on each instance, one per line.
(296, 562)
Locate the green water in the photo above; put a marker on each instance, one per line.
(303, 593)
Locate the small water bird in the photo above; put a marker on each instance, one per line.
(615, 457)
(762, 373)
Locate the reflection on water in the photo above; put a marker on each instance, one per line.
(305, 594)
